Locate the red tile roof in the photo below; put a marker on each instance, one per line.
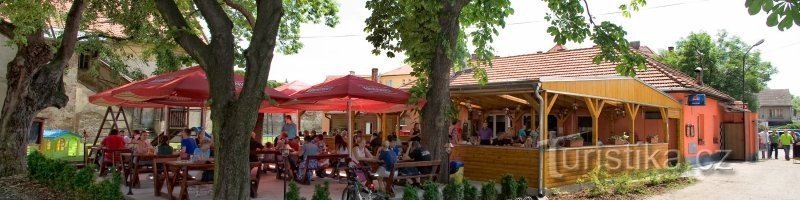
(578, 63)
(404, 70)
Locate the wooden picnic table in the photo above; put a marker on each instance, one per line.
(180, 171)
(134, 160)
(319, 158)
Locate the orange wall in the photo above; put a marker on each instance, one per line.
(712, 114)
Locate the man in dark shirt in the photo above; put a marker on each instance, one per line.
(254, 145)
(375, 143)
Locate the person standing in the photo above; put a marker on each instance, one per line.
(763, 142)
(289, 127)
(485, 134)
(773, 145)
(786, 141)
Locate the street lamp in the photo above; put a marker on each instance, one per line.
(284, 150)
(744, 64)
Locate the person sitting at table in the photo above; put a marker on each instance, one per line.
(396, 145)
(188, 144)
(254, 146)
(163, 147)
(311, 148)
(112, 142)
(375, 143)
(389, 158)
(294, 143)
(417, 152)
(361, 152)
(142, 146)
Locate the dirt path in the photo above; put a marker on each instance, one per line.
(770, 179)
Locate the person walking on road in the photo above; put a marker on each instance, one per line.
(763, 142)
(773, 145)
(786, 142)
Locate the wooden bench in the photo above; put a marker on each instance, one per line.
(319, 158)
(434, 165)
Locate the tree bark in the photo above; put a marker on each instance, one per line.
(435, 122)
(35, 82)
(234, 116)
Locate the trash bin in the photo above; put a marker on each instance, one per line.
(457, 171)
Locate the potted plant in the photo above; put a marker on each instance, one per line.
(619, 139)
(652, 139)
(576, 141)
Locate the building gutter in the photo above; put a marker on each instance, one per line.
(541, 190)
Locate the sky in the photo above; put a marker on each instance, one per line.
(658, 25)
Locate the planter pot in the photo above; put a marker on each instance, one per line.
(652, 140)
(618, 142)
(575, 143)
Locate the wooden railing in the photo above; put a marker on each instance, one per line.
(562, 166)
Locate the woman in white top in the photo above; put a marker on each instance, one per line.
(361, 151)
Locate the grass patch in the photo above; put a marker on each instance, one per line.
(630, 185)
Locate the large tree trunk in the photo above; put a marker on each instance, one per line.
(34, 83)
(435, 121)
(234, 116)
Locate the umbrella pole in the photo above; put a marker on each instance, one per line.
(349, 126)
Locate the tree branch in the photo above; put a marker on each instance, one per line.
(247, 14)
(103, 35)
(218, 22)
(591, 18)
(70, 36)
(7, 28)
(192, 44)
(262, 45)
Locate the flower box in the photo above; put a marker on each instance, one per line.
(618, 142)
(575, 143)
(652, 140)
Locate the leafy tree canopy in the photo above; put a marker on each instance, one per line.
(413, 27)
(781, 13)
(720, 57)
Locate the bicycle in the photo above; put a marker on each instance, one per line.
(357, 191)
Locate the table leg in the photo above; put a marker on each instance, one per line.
(171, 181)
(157, 180)
(184, 184)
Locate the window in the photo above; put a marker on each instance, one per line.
(389, 83)
(60, 144)
(85, 60)
(700, 129)
(775, 113)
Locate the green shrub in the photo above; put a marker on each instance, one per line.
(410, 193)
(470, 192)
(599, 179)
(453, 191)
(294, 191)
(522, 187)
(65, 178)
(508, 187)
(623, 184)
(321, 192)
(488, 191)
(431, 191)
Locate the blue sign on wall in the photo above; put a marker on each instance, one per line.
(697, 100)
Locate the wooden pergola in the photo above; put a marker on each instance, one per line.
(593, 93)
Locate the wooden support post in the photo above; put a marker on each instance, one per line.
(382, 119)
(633, 111)
(665, 120)
(681, 136)
(549, 103)
(595, 107)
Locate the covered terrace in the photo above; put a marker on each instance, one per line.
(615, 121)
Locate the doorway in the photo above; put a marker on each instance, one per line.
(733, 140)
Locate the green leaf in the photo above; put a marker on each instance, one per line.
(767, 6)
(754, 7)
(772, 19)
(785, 23)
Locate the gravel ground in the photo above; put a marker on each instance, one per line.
(766, 179)
(19, 187)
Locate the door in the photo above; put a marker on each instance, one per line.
(674, 141)
(733, 140)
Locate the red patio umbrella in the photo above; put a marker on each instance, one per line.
(288, 89)
(350, 93)
(106, 99)
(187, 87)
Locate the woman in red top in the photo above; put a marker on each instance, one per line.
(113, 141)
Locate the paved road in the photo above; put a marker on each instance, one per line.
(770, 179)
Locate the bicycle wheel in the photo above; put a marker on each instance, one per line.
(348, 193)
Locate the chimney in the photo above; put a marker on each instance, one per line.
(538, 52)
(352, 72)
(635, 44)
(670, 49)
(375, 74)
(699, 72)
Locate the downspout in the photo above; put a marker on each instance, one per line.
(540, 187)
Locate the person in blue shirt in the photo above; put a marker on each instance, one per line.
(389, 158)
(188, 144)
(289, 127)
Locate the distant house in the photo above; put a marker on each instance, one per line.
(776, 107)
